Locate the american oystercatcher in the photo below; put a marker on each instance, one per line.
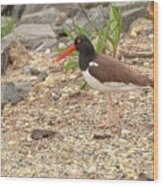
(105, 73)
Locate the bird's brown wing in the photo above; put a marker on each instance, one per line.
(109, 69)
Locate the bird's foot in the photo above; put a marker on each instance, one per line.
(111, 122)
(117, 117)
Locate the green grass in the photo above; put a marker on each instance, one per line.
(110, 34)
(7, 27)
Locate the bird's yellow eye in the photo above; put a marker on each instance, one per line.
(78, 41)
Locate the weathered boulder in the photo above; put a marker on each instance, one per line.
(42, 76)
(129, 10)
(84, 19)
(31, 70)
(32, 36)
(5, 59)
(42, 17)
(18, 11)
(33, 8)
(13, 93)
(15, 53)
(38, 134)
(15, 11)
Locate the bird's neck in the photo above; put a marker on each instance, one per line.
(84, 58)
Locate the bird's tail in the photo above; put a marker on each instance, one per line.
(151, 83)
(147, 81)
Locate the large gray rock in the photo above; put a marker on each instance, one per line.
(13, 93)
(15, 11)
(13, 52)
(42, 76)
(38, 134)
(33, 8)
(66, 7)
(32, 36)
(30, 9)
(41, 17)
(129, 10)
(84, 18)
(5, 59)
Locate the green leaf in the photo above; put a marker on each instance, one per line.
(101, 42)
(70, 66)
(68, 33)
(79, 30)
(83, 86)
(8, 26)
(114, 25)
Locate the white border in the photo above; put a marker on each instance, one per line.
(70, 182)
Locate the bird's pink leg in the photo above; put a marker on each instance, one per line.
(120, 108)
(114, 115)
(109, 122)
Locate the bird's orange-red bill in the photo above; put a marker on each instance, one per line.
(67, 52)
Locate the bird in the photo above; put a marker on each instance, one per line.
(105, 73)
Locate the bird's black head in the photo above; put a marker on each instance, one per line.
(86, 50)
(84, 45)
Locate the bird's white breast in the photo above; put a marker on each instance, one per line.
(92, 81)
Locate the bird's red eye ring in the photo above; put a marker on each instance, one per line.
(78, 41)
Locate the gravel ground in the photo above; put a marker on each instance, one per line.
(77, 148)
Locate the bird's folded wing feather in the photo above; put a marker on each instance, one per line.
(109, 69)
